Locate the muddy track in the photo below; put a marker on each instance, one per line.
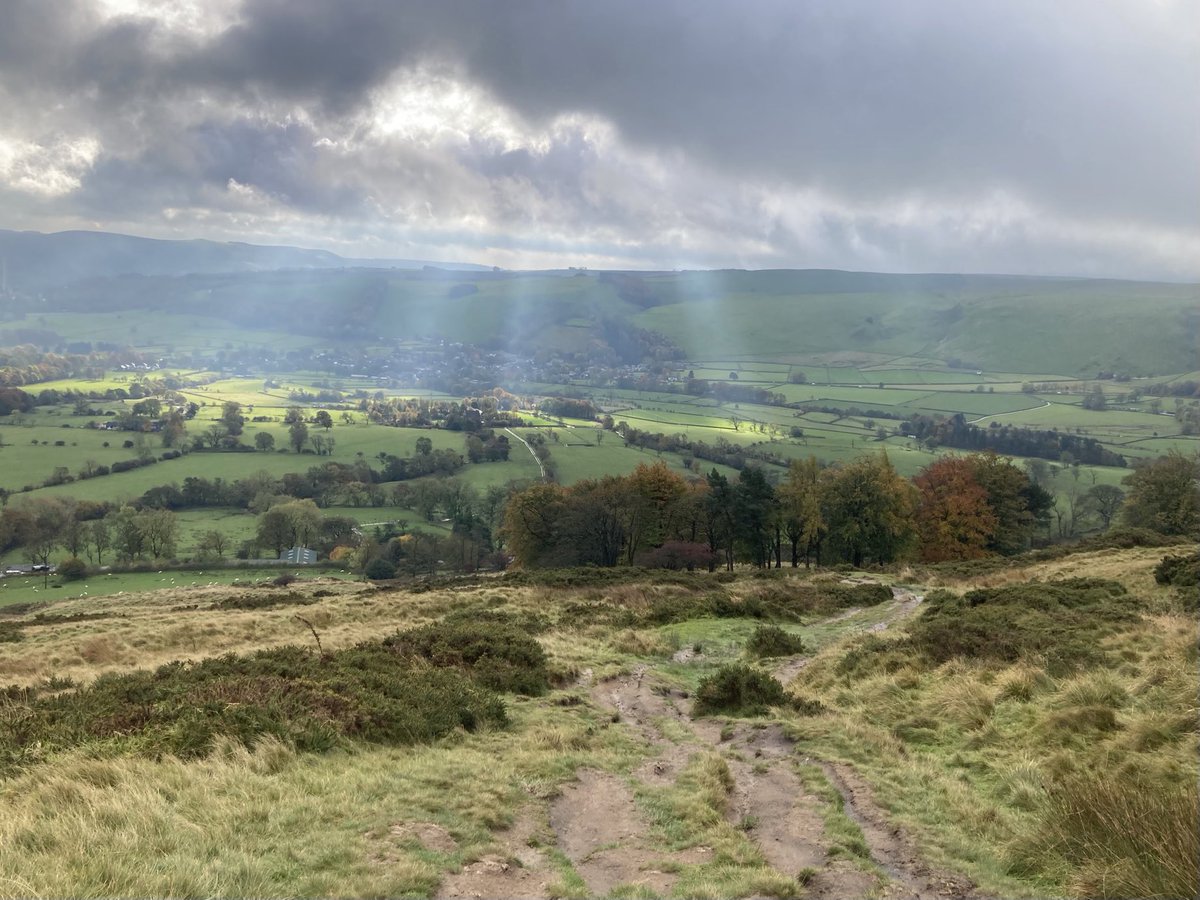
(597, 825)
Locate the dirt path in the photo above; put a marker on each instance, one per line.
(599, 828)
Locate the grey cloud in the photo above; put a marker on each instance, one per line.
(1082, 110)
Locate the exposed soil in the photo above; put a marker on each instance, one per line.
(600, 830)
(598, 826)
(519, 871)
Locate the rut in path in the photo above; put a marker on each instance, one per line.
(784, 819)
(598, 827)
(768, 798)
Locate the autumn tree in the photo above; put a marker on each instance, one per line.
(531, 521)
(953, 518)
(649, 501)
(1012, 498)
(799, 499)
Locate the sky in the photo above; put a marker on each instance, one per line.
(1007, 136)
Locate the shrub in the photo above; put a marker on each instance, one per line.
(499, 654)
(1180, 571)
(1060, 623)
(771, 640)
(380, 569)
(10, 633)
(311, 702)
(738, 690)
(72, 569)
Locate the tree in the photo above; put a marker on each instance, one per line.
(531, 523)
(232, 418)
(323, 419)
(648, 501)
(40, 531)
(754, 515)
(293, 415)
(101, 539)
(293, 524)
(719, 516)
(172, 429)
(264, 440)
(800, 508)
(128, 539)
(160, 531)
(213, 544)
(868, 509)
(1165, 495)
(954, 520)
(298, 435)
(1008, 497)
(74, 534)
(424, 446)
(1105, 501)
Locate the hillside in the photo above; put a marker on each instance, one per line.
(35, 262)
(1072, 327)
(589, 733)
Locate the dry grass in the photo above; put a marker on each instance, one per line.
(272, 823)
(960, 753)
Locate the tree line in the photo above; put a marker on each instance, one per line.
(861, 512)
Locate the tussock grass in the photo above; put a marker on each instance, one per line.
(273, 823)
(1120, 838)
(975, 752)
(982, 750)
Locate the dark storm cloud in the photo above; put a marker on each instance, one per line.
(1019, 135)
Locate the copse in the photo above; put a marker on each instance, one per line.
(860, 512)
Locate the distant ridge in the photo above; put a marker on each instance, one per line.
(31, 260)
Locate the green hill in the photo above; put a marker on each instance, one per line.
(999, 323)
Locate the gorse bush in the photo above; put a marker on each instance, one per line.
(312, 702)
(771, 640)
(738, 690)
(1182, 572)
(1061, 623)
(499, 654)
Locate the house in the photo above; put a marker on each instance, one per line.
(300, 555)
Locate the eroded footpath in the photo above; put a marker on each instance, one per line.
(599, 827)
